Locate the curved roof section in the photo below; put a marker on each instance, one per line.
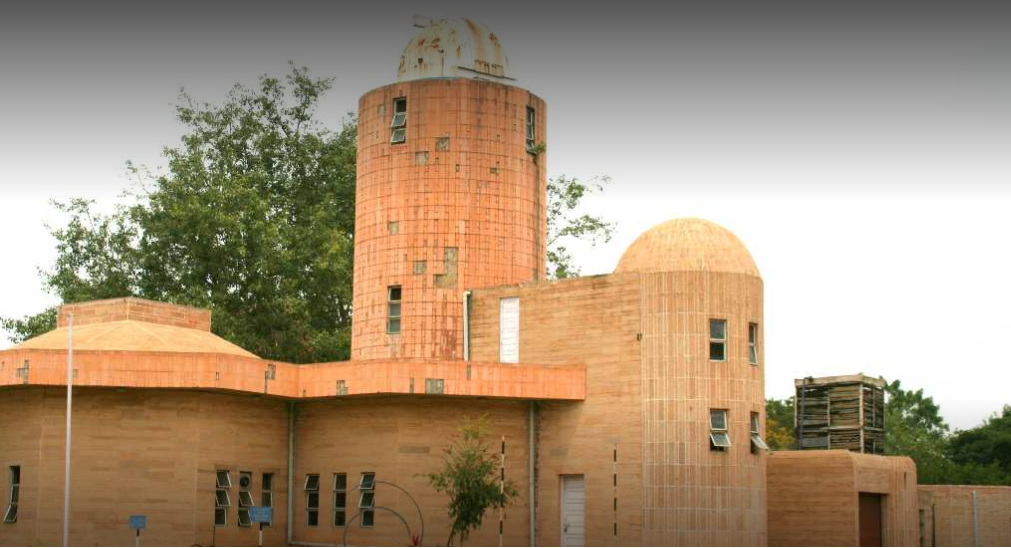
(688, 245)
(134, 336)
(454, 48)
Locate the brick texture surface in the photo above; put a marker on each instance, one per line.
(140, 310)
(814, 497)
(948, 520)
(459, 205)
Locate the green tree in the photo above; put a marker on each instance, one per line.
(254, 217)
(470, 477)
(779, 429)
(987, 445)
(565, 223)
(914, 428)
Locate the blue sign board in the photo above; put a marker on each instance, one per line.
(261, 514)
(138, 522)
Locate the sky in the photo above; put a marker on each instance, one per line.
(861, 152)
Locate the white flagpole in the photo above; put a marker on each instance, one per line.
(70, 395)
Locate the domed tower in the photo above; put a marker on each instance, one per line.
(703, 387)
(451, 192)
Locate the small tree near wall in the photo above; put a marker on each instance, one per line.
(470, 476)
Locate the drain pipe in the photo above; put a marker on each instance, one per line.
(975, 519)
(291, 471)
(532, 457)
(466, 327)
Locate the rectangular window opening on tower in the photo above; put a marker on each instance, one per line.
(531, 130)
(718, 340)
(367, 499)
(393, 304)
(399, 123)
(757, 443)
(719, 431)
(753, 343)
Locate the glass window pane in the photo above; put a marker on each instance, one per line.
(400, 105)
(759, 442)
(720, 439)
(15, 474)
(394, 326)
(312, 482)
(266, 498)
(340, 499)
(717, 351)
(368, 518)
(718, 419)
(395, 310)
(15, 493)
(245, 499)
(368, 481)
(268, 480)
(395, 292)
(312, 518)
(717, 329)
(224, 479)
(753, 333)
(312, 500)
(754, 423)
(244, 520)
(399, 120)
(340, 482)
(339, 518)
(399, 136)
(752, 354)
(221, 498)
(367, 500)
(220, 517)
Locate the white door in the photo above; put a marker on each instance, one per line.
(573, 515)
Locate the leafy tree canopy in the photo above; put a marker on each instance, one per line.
(779, 429)
(565, 223)
(254, 218)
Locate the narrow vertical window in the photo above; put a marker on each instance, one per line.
(11, 514)
(245, 498)
(340, 499)
(509, 330)
(312, 500)
(399, 124)
(718, 340)
(753, 343)
(367, 499)
(393, 309)
(757, 443)
(531, 130)
(719, 431)
(222, 500)
(267, 493)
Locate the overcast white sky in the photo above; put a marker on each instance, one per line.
(861, 154)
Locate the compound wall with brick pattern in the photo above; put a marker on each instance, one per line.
(947, 515)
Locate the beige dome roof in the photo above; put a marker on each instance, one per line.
(454, 48)
(687, 244)
(134, 336)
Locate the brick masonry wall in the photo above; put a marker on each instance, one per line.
(814, 497)
(950, 507)
(140, 310)
(592, 321)
(459, 205)
(151, 452)
(695, 495)
(400, 440)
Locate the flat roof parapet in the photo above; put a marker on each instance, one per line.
(132, 308)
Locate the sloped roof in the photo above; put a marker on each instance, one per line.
(135, 336)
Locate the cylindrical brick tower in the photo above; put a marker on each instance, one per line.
(703, 386)
(451, 192)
